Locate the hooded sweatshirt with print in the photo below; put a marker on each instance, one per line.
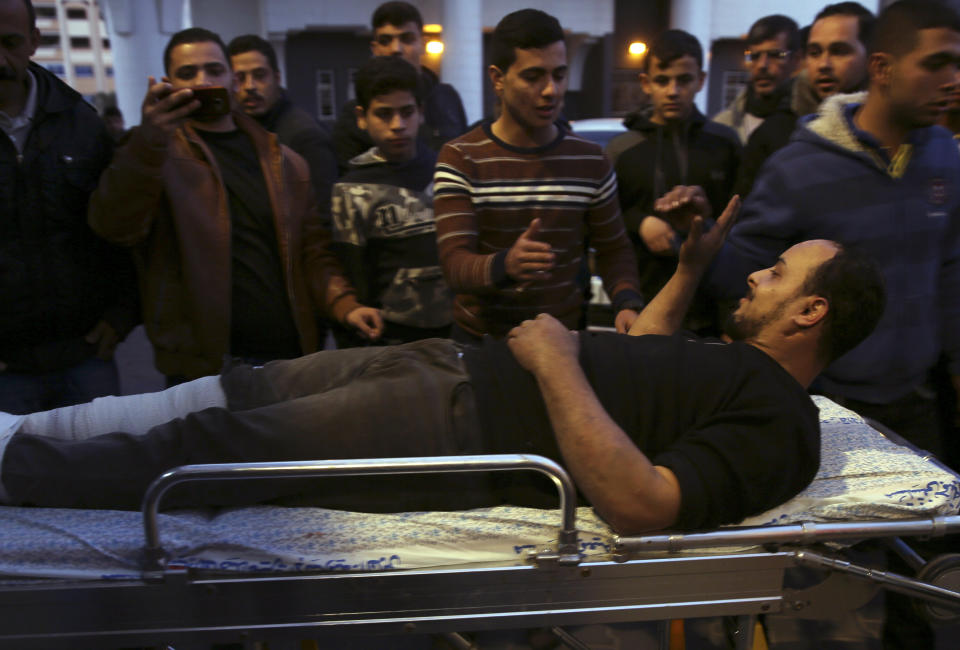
(834, 181)
(386, 237)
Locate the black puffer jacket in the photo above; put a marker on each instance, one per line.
(651, 159)
(57, 278)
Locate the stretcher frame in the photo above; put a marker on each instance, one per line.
(648, 578)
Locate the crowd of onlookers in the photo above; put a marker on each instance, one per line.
(237, 229)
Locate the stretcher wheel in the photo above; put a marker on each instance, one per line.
(943, 571)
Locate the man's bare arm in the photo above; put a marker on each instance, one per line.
(631, 493)
(664, 314)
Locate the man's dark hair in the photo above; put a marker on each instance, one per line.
(112, 111)
(31, 14)
(397, 14)
(805, 36)
(897, 27)
(525, 29)
(382, 75)
(193, 35)
(769, 27)
(865, 19)
(253, 43)
(672, 45)
(853, 288)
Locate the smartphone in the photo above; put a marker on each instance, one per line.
(214, 101)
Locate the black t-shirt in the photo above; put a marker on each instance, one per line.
(261, 321)
(738, 431)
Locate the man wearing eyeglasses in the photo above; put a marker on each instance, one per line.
(835, 62)
(772, 54)
(398, 31)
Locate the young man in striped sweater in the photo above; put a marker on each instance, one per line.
(519, 200)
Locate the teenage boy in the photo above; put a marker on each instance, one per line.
(383, 227)
(398, 31)
(518, 200)
(671, 143)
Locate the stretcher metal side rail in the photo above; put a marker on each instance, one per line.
(187, 608)
(942, 603)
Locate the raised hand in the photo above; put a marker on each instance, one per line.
(529, 259)
(164, 110)
(699, 248)
(681, 204)
(658, 236)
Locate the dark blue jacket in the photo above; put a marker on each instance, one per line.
(833, 181)
(57, 278)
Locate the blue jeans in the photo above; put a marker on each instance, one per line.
(26, 393)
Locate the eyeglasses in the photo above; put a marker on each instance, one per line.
(407, 38)
(753, 56)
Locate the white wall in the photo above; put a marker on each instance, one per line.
(229, 18)
(139, 30)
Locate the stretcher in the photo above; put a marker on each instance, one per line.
(74, 578)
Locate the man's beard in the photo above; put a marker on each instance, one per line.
(741, 327)
(8, 74)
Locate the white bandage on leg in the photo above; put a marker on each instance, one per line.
(135, 414)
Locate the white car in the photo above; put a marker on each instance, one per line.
(598, 129)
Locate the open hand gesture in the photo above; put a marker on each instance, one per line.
(529, 259)
(681, 204)
(699, 249)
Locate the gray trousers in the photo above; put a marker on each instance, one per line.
(409, 400)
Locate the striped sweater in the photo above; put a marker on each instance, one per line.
(486, 193)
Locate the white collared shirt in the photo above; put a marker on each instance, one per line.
(17, 127)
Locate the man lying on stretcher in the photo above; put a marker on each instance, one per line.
(658, 431)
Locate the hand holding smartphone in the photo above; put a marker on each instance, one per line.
(214, 102)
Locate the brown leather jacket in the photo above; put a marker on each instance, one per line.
(171, 206)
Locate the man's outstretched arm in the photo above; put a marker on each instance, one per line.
(631, 493)
(664, 314)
